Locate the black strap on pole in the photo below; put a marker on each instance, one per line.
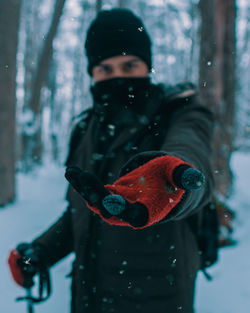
(29, 302)
(44, 286)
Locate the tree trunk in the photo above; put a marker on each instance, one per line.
(98, 6)
(34, 141)
(30, 11)
(9, 24)
(217, 81)
(121, 4)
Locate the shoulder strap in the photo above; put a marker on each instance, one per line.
(179, 91)
(79, 129)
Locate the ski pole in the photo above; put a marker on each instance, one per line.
(30, 307)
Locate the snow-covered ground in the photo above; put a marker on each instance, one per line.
(41, 201)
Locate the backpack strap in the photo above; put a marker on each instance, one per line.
(179, 91)
(79, 129)
(205, 227)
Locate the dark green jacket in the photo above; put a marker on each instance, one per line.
(119, 269)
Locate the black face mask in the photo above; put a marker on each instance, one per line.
(121, 100)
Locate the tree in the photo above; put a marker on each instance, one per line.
(33, 144)
(98, 6)
(9, 23)
(30, 39)
(217, 81)
(121, 3)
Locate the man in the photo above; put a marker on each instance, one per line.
(137, 252)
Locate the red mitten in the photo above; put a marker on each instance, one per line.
(15, 269)
(152, 186)
(143, 196)
(24, 262)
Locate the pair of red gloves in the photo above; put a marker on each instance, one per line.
(150, 186)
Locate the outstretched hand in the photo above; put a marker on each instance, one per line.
(108, 205)
(141, 197)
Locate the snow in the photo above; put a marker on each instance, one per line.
(41, 201)
(229, 292)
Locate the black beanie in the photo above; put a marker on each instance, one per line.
(117, 32)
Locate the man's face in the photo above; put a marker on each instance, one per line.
(120, 66)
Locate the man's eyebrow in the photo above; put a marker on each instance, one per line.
(124, 62)
(132, 60)
(105, 65)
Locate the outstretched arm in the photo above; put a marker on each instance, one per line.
(141, 197)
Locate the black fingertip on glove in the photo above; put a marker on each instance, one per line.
(72, 174)
(188, 178)
(94, 192)
(89, 187)
(136, 214)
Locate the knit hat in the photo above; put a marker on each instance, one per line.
(117, 32)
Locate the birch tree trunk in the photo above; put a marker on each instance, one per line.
(9, 24)
(217, 81)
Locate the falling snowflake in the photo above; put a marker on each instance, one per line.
(129, 285)
(97, 156)
(142, 179)
(111, 129)
(247, 128)
(27, 261)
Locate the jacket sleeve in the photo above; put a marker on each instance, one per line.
(189, 137)
(57, 240)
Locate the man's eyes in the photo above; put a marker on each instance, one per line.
(129, 66)
(125, 67)
(105, 69)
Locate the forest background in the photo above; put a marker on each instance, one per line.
(44, 85)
